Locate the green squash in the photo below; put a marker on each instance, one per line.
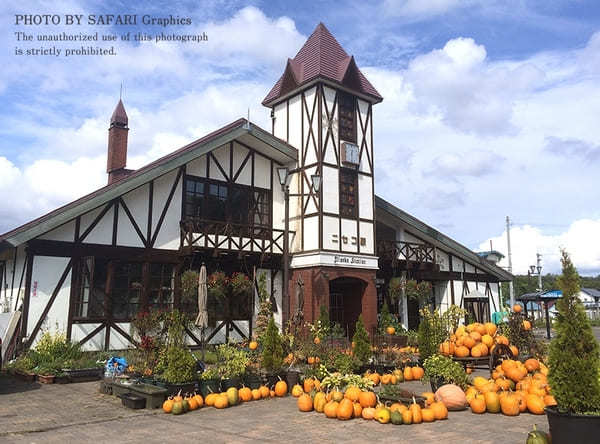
(186, 405)
(538, 437)
(396, 417)
(233, 396)
(177, 408)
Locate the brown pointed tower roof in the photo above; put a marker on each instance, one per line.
(321, 57)
(119, 116)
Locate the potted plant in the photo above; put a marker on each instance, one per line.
(574, 363)
(210, 381)
(272, 353)
(231, 364)
(441, 370)
(177, 370)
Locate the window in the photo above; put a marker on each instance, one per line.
(162, 285)
(348, 193)
(126, 290)
(92, 289)
(347, 117)
(224, 202)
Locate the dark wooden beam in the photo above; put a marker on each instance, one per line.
(107, 207)
(166, 207)
(91, 334)
(26, 296)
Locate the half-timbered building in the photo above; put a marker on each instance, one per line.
(92, 264)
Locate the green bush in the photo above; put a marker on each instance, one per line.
(231, 361)
(574, 352)
(177, 365)
(446, 369)
(345, 364)
(272, 348)
(432, 331)
(362, 344)
(386, 319)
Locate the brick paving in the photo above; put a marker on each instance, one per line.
(72, 413)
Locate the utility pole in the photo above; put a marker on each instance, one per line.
(539, 270)
(510, 284)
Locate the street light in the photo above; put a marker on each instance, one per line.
(284, 180)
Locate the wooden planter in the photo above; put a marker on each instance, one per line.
(83, 374)
(25, 376)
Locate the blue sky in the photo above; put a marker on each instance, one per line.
(490, 108)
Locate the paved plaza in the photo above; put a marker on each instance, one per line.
(36, 413)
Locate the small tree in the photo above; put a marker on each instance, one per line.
(272, 348)
(323, 323)
(362, 345)
(433, 330)
(265, 311)
(574, 359)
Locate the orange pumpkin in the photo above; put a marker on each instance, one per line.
(319, 402)
(368, 413)
(477, 404)
(386, 379)
(447, 348)
(253, 345)
(256, 394)
(357, 410)
(352, 393)
(439, 410)
(310, 360)
(417, 373)
(407, 417)
(272, 393)
(509, 404)
(192, 404)
(532, 365)
(427, 415)
(210, 399)
(408, 376)
(330, 409)
(168, 405)
(375, 378)
(309, 385)
(469, 342)
(345, 409)
(297, 391)
(264, 391)
(336, 395)
(535, 404)
(367, 399)
(305, 403)
(429, 397)
(452, 396)
(490, 328)
(514, 350)
(221, 402)
(461, 351)
(492, 402)
(317, 341)
(549, 400)
(245, 394)
(526, 325)
(281, 388)
(415, 410)
(397, 406)
(390, 330)
(517, 308)
(500, 339)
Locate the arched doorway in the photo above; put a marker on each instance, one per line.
(345, 302)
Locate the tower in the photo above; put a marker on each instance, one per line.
(322, 105)
(117, 144)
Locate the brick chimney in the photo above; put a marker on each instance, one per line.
(117, 145)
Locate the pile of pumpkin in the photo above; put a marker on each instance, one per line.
(178, 404)
(515, 388)
(398, 375)
(356, 403)
(475, 340)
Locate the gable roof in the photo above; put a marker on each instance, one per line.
(591, 292)
(321, 57)
(432, 235)
(280, 151)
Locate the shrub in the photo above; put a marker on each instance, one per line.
(177, 365)
(446, 369)
(345, 364)
(265, 311)
(574, 359)
(386, 319)
(231, 361)
(272, 348)
(362, 345)
(431, 333)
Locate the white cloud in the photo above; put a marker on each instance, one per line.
(581, 240)
(421, 8)
(473, 163)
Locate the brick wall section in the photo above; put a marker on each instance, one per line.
(117, 148)
(316, 291)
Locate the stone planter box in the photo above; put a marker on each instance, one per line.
(154, 396)
(83, 374)
(46, 379)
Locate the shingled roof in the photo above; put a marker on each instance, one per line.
(321, 57)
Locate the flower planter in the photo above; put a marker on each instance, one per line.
(25, 376)
(83, 374)
(173, 389)
(208, 386)
(572, 428)
(252, 381)
(230, 382)
(46, 379)
(292, 378)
